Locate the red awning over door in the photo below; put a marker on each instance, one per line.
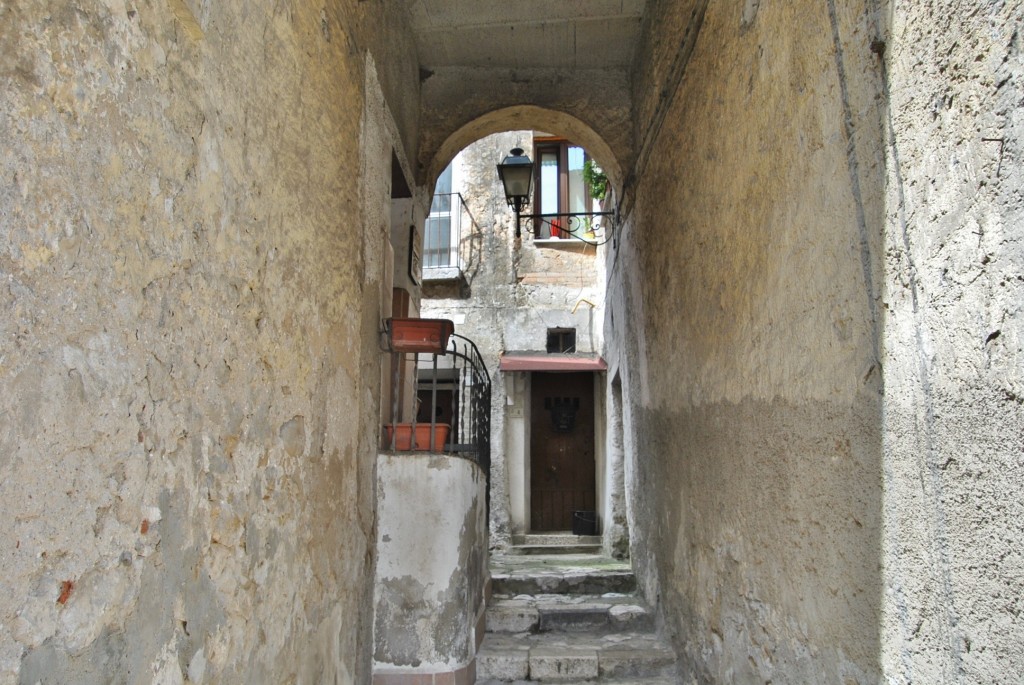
(550, 362)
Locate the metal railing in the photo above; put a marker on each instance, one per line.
(446, 232)
(453, 400)
(593, 228)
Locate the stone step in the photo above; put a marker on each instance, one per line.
(556, 539)
(574, 657)
(585, 574)
(545, 613)
(650, 680)
(579, 582)
(556, 549)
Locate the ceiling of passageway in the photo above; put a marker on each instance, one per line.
(553, 34)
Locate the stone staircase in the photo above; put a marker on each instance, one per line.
(569, 618)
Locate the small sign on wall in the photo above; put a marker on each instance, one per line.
(415, 255)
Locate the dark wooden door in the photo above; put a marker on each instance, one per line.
(562, 471)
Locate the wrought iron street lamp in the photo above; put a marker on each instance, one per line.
(516, 174)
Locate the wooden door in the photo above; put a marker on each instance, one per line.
(562, 470)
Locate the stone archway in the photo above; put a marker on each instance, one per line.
(612, 150)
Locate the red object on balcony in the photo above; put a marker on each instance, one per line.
(556, 229)
(419, 335)
(403, 436)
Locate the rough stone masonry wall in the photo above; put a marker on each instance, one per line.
(188, 343)
(954, 372)
(743, 304)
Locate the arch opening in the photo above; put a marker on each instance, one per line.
(528, 117)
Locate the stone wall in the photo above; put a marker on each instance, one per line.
(743, 324)
(189, 376)
(954, 372)
(814, 310)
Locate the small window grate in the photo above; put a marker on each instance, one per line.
(561, 340)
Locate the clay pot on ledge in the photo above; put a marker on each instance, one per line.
(418, 335)
(403, 437)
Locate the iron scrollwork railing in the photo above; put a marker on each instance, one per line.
(593, 228)
(453, 391)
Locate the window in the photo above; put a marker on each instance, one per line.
(559, 184)
(438, 249)
(561, 340)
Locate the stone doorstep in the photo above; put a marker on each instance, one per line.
(555, 539)
(556, 549)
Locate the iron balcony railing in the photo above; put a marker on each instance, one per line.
(593, 228)
(446, 236)
(453, 400)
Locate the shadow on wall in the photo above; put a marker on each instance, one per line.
(752, 362)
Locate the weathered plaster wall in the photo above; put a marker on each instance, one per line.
(954, 379)
(191, 281)
(743, 321)
(431, 565)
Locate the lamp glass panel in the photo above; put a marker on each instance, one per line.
(516, 179)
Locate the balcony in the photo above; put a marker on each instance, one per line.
(451, 244)
(440, 402)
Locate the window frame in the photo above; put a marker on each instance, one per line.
(560, 146)
(561, 340)
(441, 251)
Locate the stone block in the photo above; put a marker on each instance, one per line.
(630, 617)
(563, 663)
(636, 662)
(512, 616)
(504, 663)
(572, 617)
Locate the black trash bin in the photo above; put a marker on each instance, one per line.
(584, 523)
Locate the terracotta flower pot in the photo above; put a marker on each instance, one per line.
(419, 335)
(403, 436)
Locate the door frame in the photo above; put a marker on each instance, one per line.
(518, 390)
(567, 457)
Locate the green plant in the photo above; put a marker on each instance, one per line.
(595, 179)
